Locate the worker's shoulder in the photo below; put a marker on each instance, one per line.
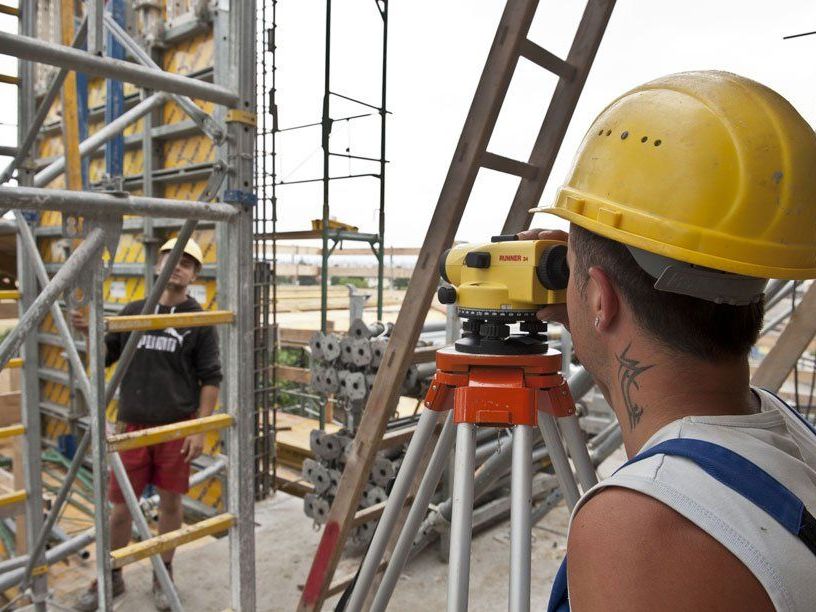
(659, 556)
(134, 307)
(615, 514)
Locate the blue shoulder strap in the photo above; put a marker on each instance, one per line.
(735, 472)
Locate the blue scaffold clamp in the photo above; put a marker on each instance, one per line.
(245, 198)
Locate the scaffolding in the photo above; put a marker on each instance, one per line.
(327, 230)
(95, 221)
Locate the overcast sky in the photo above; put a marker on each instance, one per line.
(437, 49)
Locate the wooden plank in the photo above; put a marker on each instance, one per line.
(289, 480)
(293, 374)
(299, 336)
(484, 111)
(10, 408)
(792, 342)
(424, 354)
(170, 540)
(165, 433)
(70, 105)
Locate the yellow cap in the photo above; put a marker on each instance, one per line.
(707, 168)
(191, 248)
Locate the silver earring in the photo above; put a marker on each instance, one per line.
(597, 321)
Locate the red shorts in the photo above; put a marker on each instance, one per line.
(162, 465)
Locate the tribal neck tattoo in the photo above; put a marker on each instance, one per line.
(628, 371)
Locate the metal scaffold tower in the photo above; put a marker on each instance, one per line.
(327, 230)
(93, 220)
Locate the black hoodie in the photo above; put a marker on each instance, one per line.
(164, 380)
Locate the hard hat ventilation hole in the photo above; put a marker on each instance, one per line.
(608, 132)
(624, 135)
(657, 143)
(644, 139)
(600, 133)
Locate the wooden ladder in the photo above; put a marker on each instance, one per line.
(509, 44)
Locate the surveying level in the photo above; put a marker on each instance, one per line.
(490, 378)
(501, 283)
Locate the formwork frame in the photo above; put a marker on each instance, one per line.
(84, 270)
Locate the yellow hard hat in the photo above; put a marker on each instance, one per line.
(708, 168)
(191, 248)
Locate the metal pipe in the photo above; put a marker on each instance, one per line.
(580, 383)
(51, 94)
(396, 501)
(95, 10)
(770, 326)
(32, 49)
(207, 124)
(521, 491)
(101, 136)
(461, 530)
(56, 554)
(558, 457)
(75, 264)
(30, 245)
(773, 288)
(576, 445)
(402, 549)
(780, 295)
(88, 202)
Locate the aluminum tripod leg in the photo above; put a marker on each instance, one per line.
(558, 456)
(461, 529)
(396, 500)
(430, 480)
(521, 492)
(576, 445)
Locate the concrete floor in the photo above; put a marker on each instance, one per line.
(286, 541)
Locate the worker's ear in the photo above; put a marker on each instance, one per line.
(602, 298)
(159, 263)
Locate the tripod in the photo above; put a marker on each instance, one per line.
(475, 389)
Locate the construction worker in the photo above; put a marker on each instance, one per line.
(685, 196)
(174, 376)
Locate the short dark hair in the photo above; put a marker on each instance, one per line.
(681, 323)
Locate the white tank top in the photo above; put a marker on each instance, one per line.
(778, 441)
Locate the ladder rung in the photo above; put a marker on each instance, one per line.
(164, 433)
(162, 321)
(15, 497)
(170, 540)
(508, 166)
(11, 431)
(9, 10)
(545, 59)
(14, 362)
(9, 80)
(9, 294)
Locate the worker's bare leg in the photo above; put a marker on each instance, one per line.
(171, 513)
(120, 526)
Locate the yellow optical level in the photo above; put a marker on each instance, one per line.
(506, 280)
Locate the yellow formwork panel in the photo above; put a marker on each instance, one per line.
(48, 326)
(190, 55)
(188, 190)
(55, 427)
(50, 146)
(183, 152)
(51, 250)
(134, 162)
(131, 249)
(51, 357)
